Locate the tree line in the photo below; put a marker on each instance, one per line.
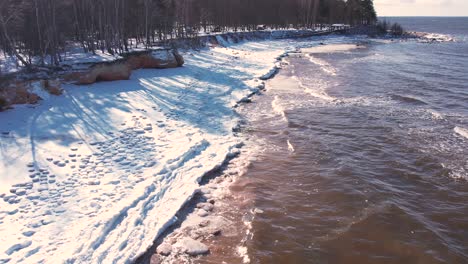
(37, 31)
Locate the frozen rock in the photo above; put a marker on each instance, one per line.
(193, 247)
(205, 190)
(204, 223)
(215, 231)
(164, 249)
(205, 206)
(245, 100)
(202, 213)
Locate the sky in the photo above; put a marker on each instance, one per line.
(421, 7)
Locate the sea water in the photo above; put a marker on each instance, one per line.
(364, 153)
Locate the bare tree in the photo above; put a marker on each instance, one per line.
(37, 30)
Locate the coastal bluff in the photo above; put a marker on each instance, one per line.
(31, 87)
(121, 69)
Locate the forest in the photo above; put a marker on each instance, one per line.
(37, 31)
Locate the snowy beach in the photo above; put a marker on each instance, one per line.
(97, 174)
(219, 131)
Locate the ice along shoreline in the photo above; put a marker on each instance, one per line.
(213, 211)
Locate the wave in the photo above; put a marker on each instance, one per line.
(290, 147)
(319, 93)
(276, 105)
(434, 37)
(407, 99)
(461, 131)
(436, 115)
(324, 66)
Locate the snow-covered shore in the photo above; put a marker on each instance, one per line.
(95, 175)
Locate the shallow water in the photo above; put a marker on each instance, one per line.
(363, 156)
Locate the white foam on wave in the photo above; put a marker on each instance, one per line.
(243, 252)
(318, 90)
(438, 37)
(317, 93)
(278, 108)
(290, 147)
(461, 131)
(324, 66)
(436, 115)
(459, 174)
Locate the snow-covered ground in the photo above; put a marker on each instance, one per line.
(95, 175)
(74, 56)
(71, 57)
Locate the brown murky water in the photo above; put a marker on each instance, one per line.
(359, 161)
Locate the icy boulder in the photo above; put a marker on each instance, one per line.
(193, 247)
(164, 249)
